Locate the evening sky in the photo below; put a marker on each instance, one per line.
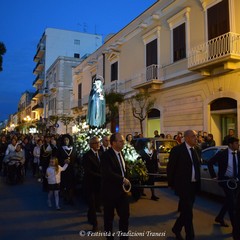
(22, 23)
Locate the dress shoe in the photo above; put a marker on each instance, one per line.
(155, 198)
(177, 235)
(221, 222)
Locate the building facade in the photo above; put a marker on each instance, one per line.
(55, 43)
(24, 116)
(186, 54)
(59, 85)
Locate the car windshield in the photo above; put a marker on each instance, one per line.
(208, 154)
(165, 146)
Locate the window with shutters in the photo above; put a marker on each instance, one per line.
(179, 42)
(114, 71)
(151, 53)
(79, 95)
(93, 78)
(179, 25)
(218, 19)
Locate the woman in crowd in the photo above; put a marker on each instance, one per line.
(67, 152)
(149, 155)
(36, 160)
(129, 139)
(46, 152)
(11, 146)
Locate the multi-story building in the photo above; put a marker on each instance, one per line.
(55, 43)
(59, 85)
(25, 114)
(186, 54)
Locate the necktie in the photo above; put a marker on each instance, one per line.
(195, 163)
(121, 164)
(97, 156)
(234, 165)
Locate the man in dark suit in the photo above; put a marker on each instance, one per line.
(92, 180)
(105, 144)
(229, 168)
(113, 178)
(183, 172)
(226, 138)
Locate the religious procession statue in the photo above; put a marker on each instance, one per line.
(96, 116)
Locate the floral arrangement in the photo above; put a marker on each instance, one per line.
(84, 134)
(136, 168)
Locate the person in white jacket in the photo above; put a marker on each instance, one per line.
(11, 147)
(36, 160)
(53, 175)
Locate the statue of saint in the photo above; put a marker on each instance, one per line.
(96, 116)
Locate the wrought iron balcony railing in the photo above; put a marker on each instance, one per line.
(221, 47)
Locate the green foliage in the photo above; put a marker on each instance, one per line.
(83, 136)
(53, 119)
(66, 120)
(113, 100)
(136, 168)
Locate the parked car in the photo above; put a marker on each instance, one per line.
(207, 184)
(163, 147)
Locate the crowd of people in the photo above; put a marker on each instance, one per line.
(33, 154)
(52, 161)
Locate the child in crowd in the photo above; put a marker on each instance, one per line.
(53, 175)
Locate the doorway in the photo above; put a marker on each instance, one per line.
(153, 122)
(223, 117)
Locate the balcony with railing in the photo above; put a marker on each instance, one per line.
(76, 104)
(222, 51)
(150, 79)
(39, 68)
(37, 107)
(37, 94)
(38, 80)
(40, 52)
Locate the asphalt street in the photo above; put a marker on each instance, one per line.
(25, 215)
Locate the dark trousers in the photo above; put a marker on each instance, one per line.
(232, 202)
(121, 204)
(185, 219)
(1, 162)
(93, 201)
(223, 210)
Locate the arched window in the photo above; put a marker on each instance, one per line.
(154, 113)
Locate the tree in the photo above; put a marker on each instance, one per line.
(53, 119)
(66, 120)
(2, 52)
(113, 100)
(141, 105)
